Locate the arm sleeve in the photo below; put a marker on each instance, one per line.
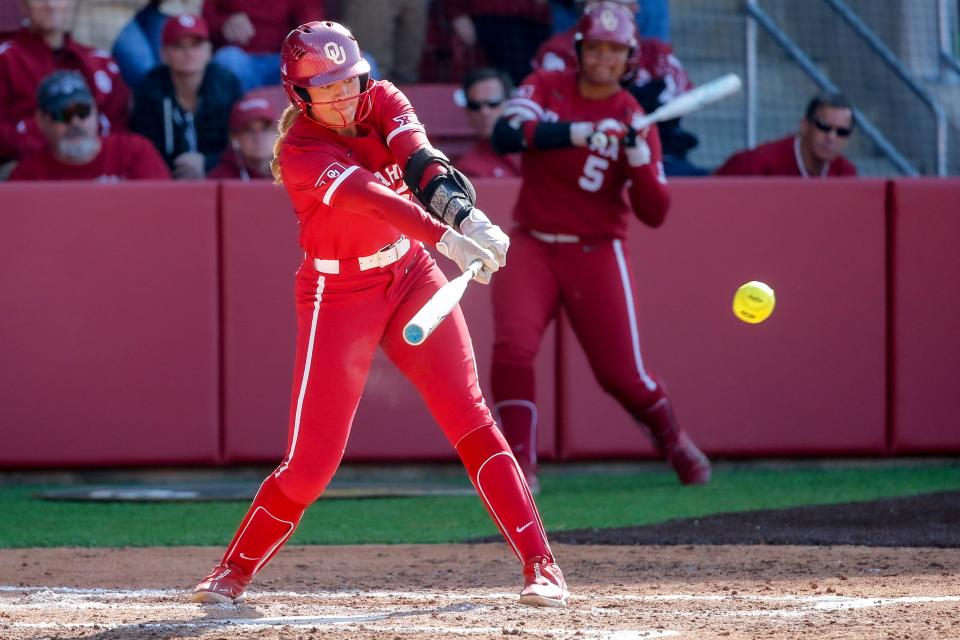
(397, 121)
(524, 126)
(115, 105)
(355, 189)
(648, 193)
(215, 14)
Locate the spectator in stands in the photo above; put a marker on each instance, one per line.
(183, 105)
(816, 150)
(41, 47)
(660, 77)
(507, 31)
(137, 46)
(393, 31)
(68, 119)
(248, 34)
(253, 132)
(485, 92)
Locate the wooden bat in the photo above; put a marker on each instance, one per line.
(692, 100)
(431, 314)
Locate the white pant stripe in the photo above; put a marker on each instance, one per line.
(632, 316)
(305, 378)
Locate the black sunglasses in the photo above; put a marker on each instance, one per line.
(843, 132)
(476, 106)
(67, 114)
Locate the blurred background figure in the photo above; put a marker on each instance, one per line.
(652, 19)
(136, 47)
(247, 34)
(183, 105)
(816, 150)
(485, 93)
(393, 34)
(42, 46)
(659, 78)
(253, 132)
(68, 119)
(507, 32)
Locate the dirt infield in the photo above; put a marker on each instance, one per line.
(455, 591)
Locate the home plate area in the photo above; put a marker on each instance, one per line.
(467, 591)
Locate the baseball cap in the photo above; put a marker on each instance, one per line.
(62, 89)
(249, 109)
(184, 26)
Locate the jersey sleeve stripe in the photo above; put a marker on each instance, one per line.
(336, 183)
(413, 126)
(530, 104)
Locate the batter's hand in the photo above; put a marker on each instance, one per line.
(463, 251)
(478, 228)
(597, 136)
(636, 148)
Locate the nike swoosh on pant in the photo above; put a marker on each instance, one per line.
(520, 529)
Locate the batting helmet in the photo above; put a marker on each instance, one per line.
(316, 54)
(609, 22)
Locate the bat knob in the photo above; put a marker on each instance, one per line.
(413, 334)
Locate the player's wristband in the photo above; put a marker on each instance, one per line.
(555, 135)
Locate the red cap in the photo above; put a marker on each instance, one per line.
(249, 109)
(184, 26)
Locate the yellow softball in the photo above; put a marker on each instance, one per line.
(753, 302)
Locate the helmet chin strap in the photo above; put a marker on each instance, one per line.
(304, 95)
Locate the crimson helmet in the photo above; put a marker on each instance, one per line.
(321, 53)
(609, 22)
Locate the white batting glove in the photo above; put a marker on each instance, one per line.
(462, 250)
(491, 237)
(596, 135)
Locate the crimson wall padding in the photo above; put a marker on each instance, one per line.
(925, 314)
(259, 258)
(109, 328)
(808, 381)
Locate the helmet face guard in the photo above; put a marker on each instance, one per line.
(317, 54)
(609, 22)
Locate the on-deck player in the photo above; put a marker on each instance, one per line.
(568, 247)
(352, 155)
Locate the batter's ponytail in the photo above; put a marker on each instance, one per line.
(287, 118)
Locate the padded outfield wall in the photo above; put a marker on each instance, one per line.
(152, 324)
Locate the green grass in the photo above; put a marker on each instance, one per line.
(569, 501)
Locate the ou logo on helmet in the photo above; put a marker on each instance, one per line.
(335, 52)
(608, 20)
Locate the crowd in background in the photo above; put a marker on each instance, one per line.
(188, 89)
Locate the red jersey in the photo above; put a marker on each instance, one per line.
(780, 158)
(655, 60)
(123, 156)
(336, 183)
(272, 21)
(481, 161)
(577, 190)
(25, 60)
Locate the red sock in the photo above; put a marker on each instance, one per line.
(497, 478)
(268, 524)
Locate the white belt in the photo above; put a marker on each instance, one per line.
(553, 238)
(387, 255)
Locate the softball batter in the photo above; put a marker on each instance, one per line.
(352, 155)
(579, 153)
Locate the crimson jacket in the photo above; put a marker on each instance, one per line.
(25, 60)
(272, 20)
(779, 158)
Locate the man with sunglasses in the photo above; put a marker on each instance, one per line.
(816, 150)
(67, 116)
(485, 92)
(40, 48)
